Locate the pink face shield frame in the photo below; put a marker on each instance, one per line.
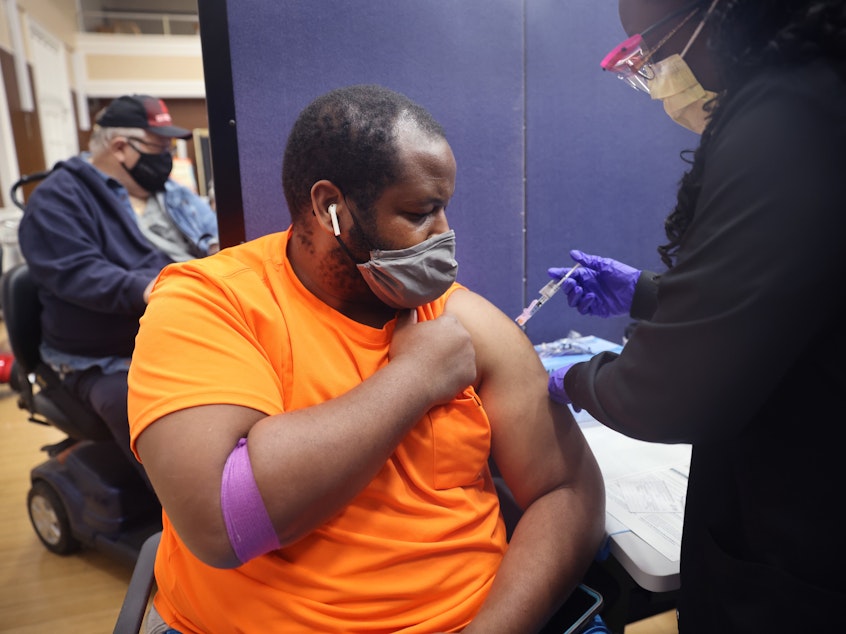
(628, 62)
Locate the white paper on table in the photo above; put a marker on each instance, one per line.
(657, 493)
(649, 494)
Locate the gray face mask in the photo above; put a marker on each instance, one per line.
(405, 278)
(408, 278)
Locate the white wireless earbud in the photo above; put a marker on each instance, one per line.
(333, 213)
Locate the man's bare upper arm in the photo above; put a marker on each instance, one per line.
(535, 442)
(184, 453)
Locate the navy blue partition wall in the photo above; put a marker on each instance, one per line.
(551, 153)
(462, 60)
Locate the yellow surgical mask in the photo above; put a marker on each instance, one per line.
(683, 96)
(675, 84)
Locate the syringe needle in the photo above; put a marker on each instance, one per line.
(549, 289)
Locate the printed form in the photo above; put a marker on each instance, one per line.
(645, 484)
(651, 505)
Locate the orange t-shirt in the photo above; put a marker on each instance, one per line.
(415, 551)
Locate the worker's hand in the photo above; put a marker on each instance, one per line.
(601, 287)
(556, 385)
(439, 351)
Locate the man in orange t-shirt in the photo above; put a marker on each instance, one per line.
(316, 409)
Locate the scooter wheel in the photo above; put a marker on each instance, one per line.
(50, 519)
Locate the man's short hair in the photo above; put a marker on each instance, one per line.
(348, 136)
(100, 137)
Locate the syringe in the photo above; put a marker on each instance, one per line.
(549, 289)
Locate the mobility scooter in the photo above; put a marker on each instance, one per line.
(85, 493)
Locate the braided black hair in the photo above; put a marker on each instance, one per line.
(746, 36)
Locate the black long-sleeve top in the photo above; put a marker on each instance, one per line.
(744, 358)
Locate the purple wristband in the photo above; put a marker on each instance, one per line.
(248, 525)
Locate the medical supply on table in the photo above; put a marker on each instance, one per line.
(574, 348)
(549, 289)
(573, 344)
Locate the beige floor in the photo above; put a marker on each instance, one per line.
(660, 624)
(41, 592)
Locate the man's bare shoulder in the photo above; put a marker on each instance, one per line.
(500, 343)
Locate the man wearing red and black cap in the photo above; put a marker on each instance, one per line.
(95, 234)
(141, 111)
(150, 164)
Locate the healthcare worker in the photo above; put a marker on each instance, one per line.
(739, 349)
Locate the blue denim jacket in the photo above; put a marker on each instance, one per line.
(192, 215)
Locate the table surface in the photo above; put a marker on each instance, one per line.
(620, 456)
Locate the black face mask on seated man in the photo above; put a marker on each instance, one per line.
(151, 171)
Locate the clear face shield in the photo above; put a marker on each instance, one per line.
(628, 61)
(669, 79)
(631, 59)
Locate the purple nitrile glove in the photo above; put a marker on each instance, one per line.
(601, 287)
(556, 385)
